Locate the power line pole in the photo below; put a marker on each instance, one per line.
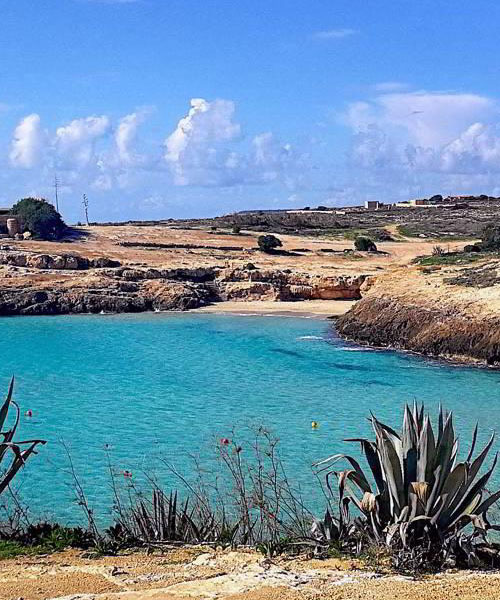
(56, 188)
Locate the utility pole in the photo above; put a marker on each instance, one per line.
(56, 188)
(85, 203)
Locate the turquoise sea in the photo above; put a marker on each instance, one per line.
(167, 385)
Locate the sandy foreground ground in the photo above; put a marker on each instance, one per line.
(303, 308)
(198, 573)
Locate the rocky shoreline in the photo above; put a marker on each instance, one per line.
(423, 312)
(43, 284)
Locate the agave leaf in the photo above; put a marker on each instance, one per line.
(352, 476)
(464, 505)
(485, 505)
(18, 462)
(454, 482)
(5, 406)
(391, 464)
(427, 452)
(420, 419)
(409, 434)
(444, 451)
(471, 475)
(372, 458)
(388, 429)
(410, 463)
(473, 445)
(433, 496)
(354, 463)
(478, 462)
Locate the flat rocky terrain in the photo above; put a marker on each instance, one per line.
(203, 574)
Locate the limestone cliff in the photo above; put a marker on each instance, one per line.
(430, 311)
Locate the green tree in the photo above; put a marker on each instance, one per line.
(40, 218)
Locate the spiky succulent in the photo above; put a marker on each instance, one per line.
(418, 495)
(9, 446)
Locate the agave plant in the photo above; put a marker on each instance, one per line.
(9, 446)
(419, 498)
(164, 519)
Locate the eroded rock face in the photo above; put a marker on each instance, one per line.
(54, 261)
(381, 321)
(260, 284)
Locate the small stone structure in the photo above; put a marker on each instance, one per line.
(13, 228)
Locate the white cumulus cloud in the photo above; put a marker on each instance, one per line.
(426, 132)
(194, 150)
(126, 135)
(28, 144)
(75, 142)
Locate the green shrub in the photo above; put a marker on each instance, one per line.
(438, 251)
(472, 248)
(364, 244)
(268, 243)
(491, 237)
(236, 229)
(40, 218)
(449, 258)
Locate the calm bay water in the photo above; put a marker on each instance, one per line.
(164, 385)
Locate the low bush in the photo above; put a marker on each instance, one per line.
(449, 258)
(364, 244)
(438, 251)
(490, 238)
(268, 243)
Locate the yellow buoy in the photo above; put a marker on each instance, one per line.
(314, 425)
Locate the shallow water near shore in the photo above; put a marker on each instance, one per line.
(168, 385)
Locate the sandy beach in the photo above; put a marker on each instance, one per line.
(301, 308)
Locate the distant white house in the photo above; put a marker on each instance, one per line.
(373, 204)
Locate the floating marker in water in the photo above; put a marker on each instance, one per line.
(127, 474)
(315, 424)
(28, 413)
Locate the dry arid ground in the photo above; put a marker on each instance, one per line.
(164, 247)
(217, 248)
(203, 574)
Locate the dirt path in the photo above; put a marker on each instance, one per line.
(200, 574)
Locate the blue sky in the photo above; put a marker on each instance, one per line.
(173, 108)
